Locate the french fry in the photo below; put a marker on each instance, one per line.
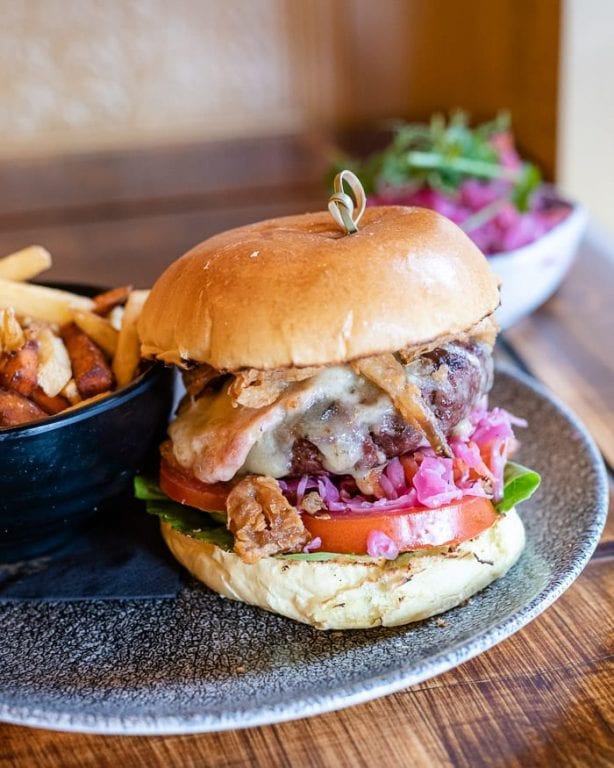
(16, 409)
(71, 393)
(90, 369)
(105, 302)
(99, 329)
(12, 336)
(128, 353)
(54, 370)
(44, 371)
(25, 264)
(115, 317)
(48, 304)
(89, 400)
(18, 370)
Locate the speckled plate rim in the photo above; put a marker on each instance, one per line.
(368, 688)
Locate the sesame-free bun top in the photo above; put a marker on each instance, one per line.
(297, 291)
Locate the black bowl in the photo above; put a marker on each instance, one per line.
(55, 474)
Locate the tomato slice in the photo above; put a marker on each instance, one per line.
(186, 489)
(347, 532)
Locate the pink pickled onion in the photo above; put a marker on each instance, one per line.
(387, 487)
(495, 425)
(434, 483)
(301, 487)
(313, 544)
(381, 545)
(395, 473)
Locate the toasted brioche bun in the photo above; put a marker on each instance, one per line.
(296, 291)
(355, 594)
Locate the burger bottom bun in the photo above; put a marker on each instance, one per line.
(356, 594)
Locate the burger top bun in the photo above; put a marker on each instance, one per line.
(346, 593)
(298, 291)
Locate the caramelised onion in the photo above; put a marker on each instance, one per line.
(389, 375)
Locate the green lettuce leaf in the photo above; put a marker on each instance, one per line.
(204, 526)
(400, 560)
(313, 556)
(147, 489)
(519, 483)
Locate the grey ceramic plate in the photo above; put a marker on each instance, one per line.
(200, 663)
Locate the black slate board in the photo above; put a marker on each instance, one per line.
(121, 555)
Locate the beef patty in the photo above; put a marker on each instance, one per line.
(451, 378)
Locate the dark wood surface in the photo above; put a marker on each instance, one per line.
(543, 697)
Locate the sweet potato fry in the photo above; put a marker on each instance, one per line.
(105, 302)
(90, 369)
(16, 409)
(128, 353)
(99, 329)
(51, 405)
(18, 370)
(25, 264)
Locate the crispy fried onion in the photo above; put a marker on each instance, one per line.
(11, 333)
(312, 503)
(368, 483)
(485, 332)
(196, 379)
(256, 389)
(388, 373)
(262, 520)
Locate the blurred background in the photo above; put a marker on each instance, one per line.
(223, 105)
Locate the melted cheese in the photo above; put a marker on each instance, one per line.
(212, 439)
(216, 440)
(336, 410)
(337, 417)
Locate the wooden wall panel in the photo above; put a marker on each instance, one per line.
(126, 73)
(485, 55)
(412, 58)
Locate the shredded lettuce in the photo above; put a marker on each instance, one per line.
(519, 483)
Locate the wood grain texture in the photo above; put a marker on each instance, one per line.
(136, 249)
(358, 62)
(127, 74)
(123, 217)
(485, 56)
(106, 184)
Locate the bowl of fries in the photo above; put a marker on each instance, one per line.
(80, 412)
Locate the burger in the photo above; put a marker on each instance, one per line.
(335, 459)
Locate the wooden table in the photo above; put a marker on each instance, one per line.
(544, 697)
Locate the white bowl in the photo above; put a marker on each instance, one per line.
(531, 274)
